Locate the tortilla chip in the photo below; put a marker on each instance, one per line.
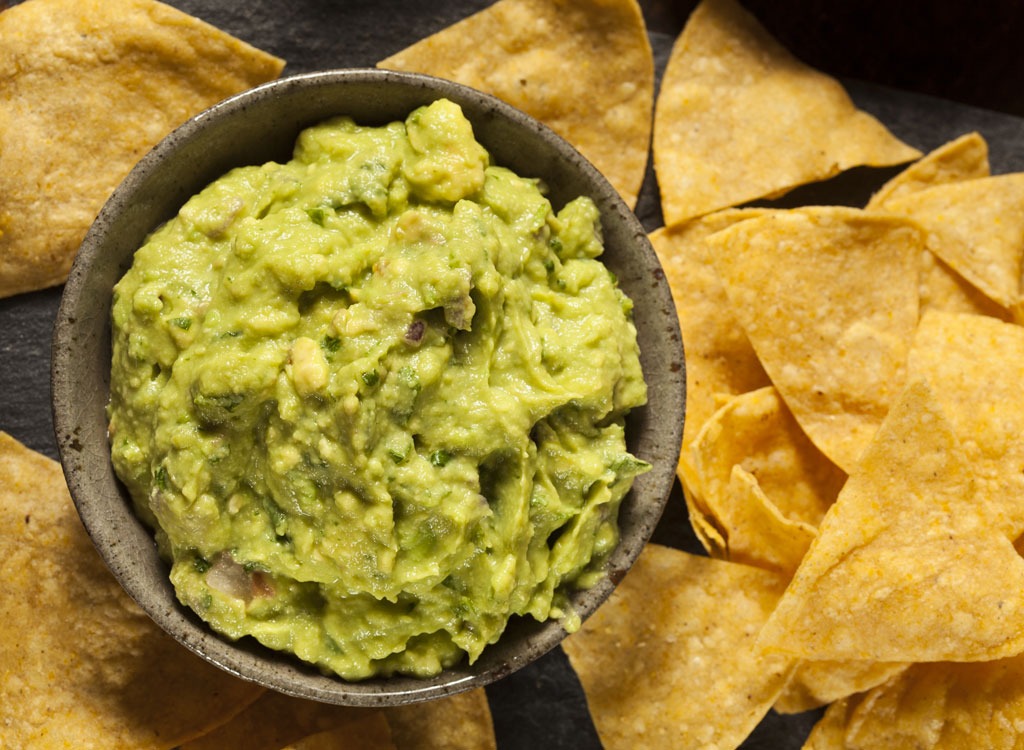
(819, 683)
(583, 67)
(975, 366)
(765, 484)
(944, 290)
(977, 227)
(369, 732)
(829, 733)
(906, 565)
(964, 158)
(739, 118)
(459, 722)
(669, 660)
(720, 360)
(943, 705)
(125, 73)
(80, 664)
(829, 299)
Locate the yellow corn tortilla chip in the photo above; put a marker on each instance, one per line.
(720, 361)
(975, 366)
(123, 73)
(906, 565)
(739, 118)
(766, 486)
(945, 290)
(459, 722)
(963, 158)
(829, 299)
(829, 733)
(80, 664)
(977, 227)
(669, 660)
(942, 705)
(369, 732)
(819, 683)
(583, 67)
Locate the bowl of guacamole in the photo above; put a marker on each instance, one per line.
(367, 387)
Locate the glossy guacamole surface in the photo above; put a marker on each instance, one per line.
(372, 399)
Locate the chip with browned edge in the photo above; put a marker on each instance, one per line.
(738, 117)
(670, 660)
(80, 664)
(582, 67)
(87, 87)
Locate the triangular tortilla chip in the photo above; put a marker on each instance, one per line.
(829, 299)
(819, 683)
(739, 118)
(977, 227)
(975, 366)
(942, 705)
(582, 67)
(670, 661)
(87, 87)
(963, 158)
(80, 664)
(906, 565)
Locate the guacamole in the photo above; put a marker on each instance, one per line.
(372, 400)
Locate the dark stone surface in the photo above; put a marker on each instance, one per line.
(965, 52)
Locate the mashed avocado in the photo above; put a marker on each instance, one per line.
(372, 399)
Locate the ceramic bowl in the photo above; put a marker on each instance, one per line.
(261, 125)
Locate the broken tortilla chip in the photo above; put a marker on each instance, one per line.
(584, 68)
(80, 664)
(125, 72)
(908, 548)
(838, 358)
(690, 622)
(739, 118)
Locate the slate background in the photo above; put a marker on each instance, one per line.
(895, 58)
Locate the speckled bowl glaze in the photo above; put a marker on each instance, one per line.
(261, 125)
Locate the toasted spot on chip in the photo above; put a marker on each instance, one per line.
(739, 118)
(670, 660)
(80, 664)
(963, 158)
(975, 366)
(368, 732)
(907, 565)
(124, 73)
(977, 227)
(829, 299)
(583, 68)
(942, 705)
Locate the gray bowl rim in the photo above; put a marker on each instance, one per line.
(78, 379)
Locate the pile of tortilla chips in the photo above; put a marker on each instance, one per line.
(852, 458)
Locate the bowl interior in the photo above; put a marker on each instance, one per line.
(261, 125)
